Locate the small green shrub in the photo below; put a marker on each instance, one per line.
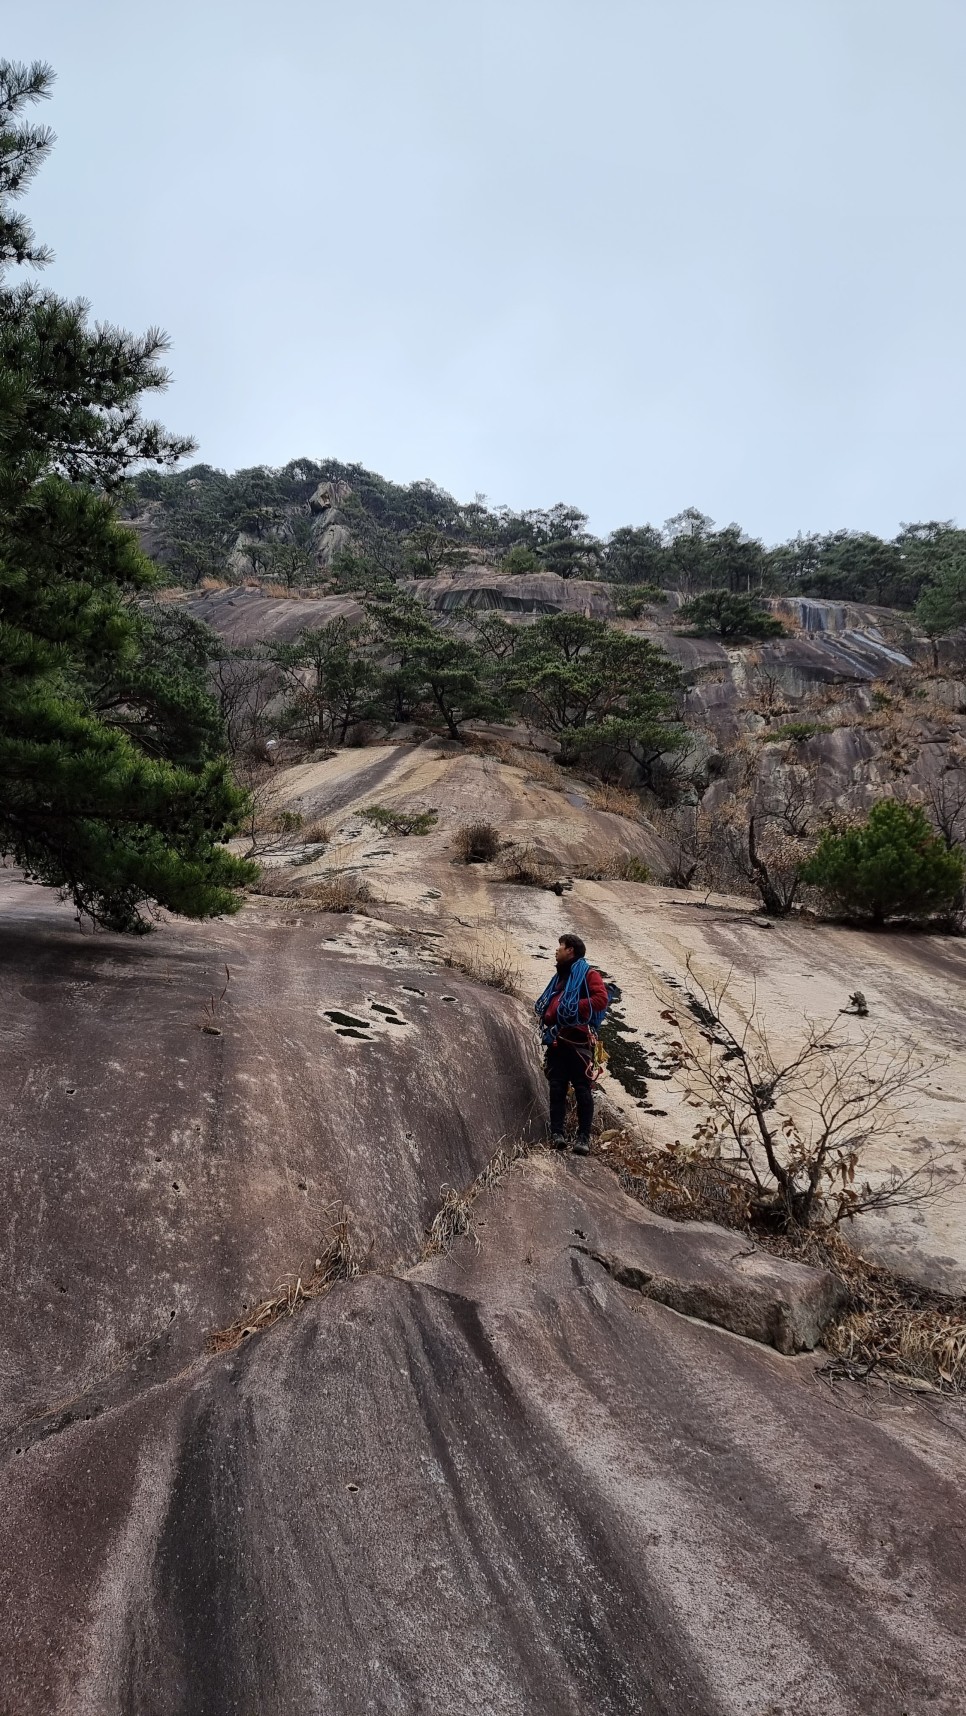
(632, 601)
(892, 864)
(799, 730)
(401, 821)
(520, 560)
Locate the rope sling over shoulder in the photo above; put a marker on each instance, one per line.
(575, 990)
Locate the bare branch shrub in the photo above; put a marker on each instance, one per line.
(790, 1135)
(525, 866)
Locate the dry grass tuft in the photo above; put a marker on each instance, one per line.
(476, 843)
(452, 1219)
(619, 801)
(540, 768)
(274, 821)
(497, 969)
(316, 833)
(339, 1260)
(336, 891)
(617, 866)
(339, 891)
(278, 883)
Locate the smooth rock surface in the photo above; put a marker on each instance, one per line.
(500, 1482)
(169, 1155)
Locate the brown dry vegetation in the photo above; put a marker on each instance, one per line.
(891, 1327)
(340, 1259)
(523, 865)
(476, 843)
(335, 891)
(495, 968)
(618, 801)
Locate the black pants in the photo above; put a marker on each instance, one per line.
(566, 1066)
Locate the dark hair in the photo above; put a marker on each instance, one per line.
(574, 942)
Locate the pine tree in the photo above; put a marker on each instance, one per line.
(112, 782)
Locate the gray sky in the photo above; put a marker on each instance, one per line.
(630, 254)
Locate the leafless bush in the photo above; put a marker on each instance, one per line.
(944, 798)
(768, 696)
(526, 867)
(790, 1135)
(476, 843)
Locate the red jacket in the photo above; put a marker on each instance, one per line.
(594, 1001)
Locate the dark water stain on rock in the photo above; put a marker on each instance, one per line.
(628, 1061)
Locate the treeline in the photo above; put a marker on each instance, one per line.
(205, 523)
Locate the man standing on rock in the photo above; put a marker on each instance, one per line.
(570, 1010)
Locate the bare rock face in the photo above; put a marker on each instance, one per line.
(499, 1481)
(695, 1268)
(170, 1151)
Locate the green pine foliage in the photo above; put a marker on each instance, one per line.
(112, 782)
(605, 693)
(725, 614)
(941, 608)
(891, 865)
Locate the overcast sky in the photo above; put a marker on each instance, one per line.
(630, 254)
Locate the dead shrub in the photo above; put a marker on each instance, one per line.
(336, 891)
(476, 843)
(272, 821)
(278, 882)
(792, 1132)
(617, 866)
(542, 769)
(526, 867)
(891, 1327)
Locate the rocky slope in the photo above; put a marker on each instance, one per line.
(550, 1455)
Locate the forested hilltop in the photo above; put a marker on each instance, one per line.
(318, 522)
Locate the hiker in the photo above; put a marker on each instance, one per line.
(569, 1010)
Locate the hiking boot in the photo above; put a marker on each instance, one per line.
(558, 1141)
(582, 1146)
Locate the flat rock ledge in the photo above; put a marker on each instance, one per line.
(695, 1268)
